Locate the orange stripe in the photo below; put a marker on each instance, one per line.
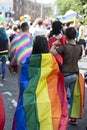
(82, 91)
(53, 92)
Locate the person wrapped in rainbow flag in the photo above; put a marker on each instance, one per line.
(20, 48)
(74, 81)
(42, 103)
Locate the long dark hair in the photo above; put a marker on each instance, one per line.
(57, 27)
(40, 45)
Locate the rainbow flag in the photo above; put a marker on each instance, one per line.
(78, 98)
(68, 17)
(42, 103)
(2, 113)
(21, 48)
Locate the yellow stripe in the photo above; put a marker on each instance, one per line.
(43, 101)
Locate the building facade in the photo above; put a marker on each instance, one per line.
(31, 8)
(6, 7)
(18, 8)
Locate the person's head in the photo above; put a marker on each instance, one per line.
(40, 22)
(70, 33)
(15, 28)
(40, 45)
(57, 27)
(24, 27)
(81, 22)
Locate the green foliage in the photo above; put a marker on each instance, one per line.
(83, 2)
(85, 13)
(65, 5)
(80, 6)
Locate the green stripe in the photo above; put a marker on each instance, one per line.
(30, 105)
(75, 106)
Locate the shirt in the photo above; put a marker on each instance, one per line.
(71, 53)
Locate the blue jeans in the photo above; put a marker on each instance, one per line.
(3, 67)
(70, 83)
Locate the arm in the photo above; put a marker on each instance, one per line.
(81, 53)
(56, 51)
(53, 50)
(80, 33)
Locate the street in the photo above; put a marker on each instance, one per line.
(9, 90)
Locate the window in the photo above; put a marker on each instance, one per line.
(17, 9)
(20, 11)
(20, 1)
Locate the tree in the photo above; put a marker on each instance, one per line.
(65, 5)
(83, 2)
(85, 13)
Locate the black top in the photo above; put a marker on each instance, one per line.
(3, 44)
(71, 53)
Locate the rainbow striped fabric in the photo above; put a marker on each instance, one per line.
(76, 101)
(21, 48)
(2, 113)
(42, 102)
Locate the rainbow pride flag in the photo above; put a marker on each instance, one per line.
(21, 48)
(42, 103)
(78, 98)
(2, 113)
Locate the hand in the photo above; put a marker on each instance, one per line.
(56, 43)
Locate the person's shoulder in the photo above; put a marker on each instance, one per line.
(11, 37)
(67, 46)
(53, 37)
(25, 36)
(15, 38)
(79, 46)
(63, 39)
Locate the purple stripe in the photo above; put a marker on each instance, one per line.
(21, 59)
(24, 36)
(15, 41)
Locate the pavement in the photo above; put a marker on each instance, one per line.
(9, 90)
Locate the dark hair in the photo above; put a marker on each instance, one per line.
(70, 33)
(81, 22)
(18, 26)
(68, 24)
(15, 28)
(40, 45)
(24, 26)
(40, 23)
(57, 27)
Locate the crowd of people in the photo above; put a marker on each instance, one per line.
(45, 56)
